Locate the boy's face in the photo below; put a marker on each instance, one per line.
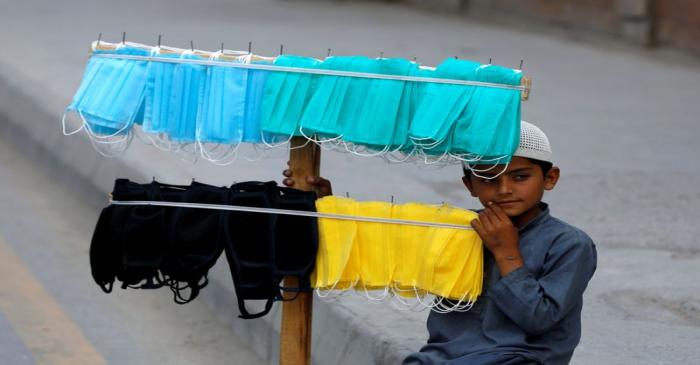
(518, 190)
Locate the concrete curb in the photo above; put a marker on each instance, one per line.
(345, 332)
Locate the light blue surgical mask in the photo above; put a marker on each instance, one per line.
(114, 92)
(252, 132)
(187, 89)
(159, 87)
(222, 115)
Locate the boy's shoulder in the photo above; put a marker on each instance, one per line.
(563, 233)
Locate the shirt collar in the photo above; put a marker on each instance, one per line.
(541, 216)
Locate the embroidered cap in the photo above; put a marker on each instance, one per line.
(533, 143)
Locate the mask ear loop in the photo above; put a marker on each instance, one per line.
(105, 138)
(457, 307)
(428, 161)
(111, 151)
(380, 299)
(466, 157)
(408, 156)
(259, 154)
(416, 141)
(118, 132)
(319, 142)
(355, 147)
(63, 123)
(114, 152)
(505, 167)
(404, 304)
(188, 157)
(497, 159)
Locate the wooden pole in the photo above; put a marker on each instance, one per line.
(295, 336)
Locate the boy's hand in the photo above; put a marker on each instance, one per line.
(500, 237)
(322, 185)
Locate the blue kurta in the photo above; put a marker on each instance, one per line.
(530, 316)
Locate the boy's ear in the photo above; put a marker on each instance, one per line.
(468, 183)
(551, 178)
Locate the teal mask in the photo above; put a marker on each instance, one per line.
(285, 96)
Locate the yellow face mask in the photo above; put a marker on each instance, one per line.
(406, 260)
(376, 264)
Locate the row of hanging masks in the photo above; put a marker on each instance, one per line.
(150, 246)
(374, 249)
(410, 266)
(206, 105)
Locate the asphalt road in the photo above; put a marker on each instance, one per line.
(50, 310)
(623, 124)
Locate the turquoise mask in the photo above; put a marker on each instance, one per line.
(434, 121)
(491, 128)
(285, 96)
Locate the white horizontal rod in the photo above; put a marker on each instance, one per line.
(312, 71)
(291, 212)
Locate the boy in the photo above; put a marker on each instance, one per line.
(536, 269)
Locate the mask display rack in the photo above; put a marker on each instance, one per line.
(304, 162)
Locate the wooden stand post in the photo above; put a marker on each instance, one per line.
(295, 336)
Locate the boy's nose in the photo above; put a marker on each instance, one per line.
(504, 187)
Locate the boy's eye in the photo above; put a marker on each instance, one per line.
(487, 181)
(520, 177)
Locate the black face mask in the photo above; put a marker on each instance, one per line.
(248, 240)
(105, 252)
(296, 238)
(140, 232)
(193, 241)
(150, 246)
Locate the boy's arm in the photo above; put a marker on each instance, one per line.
(536, 305)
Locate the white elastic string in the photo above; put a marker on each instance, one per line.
(300, 213)
(407, 156)
(406, 305)
(302, 146)
(63, 124)
(505, 167)
(493, 165)
(379, 299)
(360, 154)
(332, 289)
(262, 139)
(259, 154)
(180, 151)
(318, 141)
(314, 71)
(116, 151)
(442, 158)
(155, 140)
(429, 145)
(97, 136)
